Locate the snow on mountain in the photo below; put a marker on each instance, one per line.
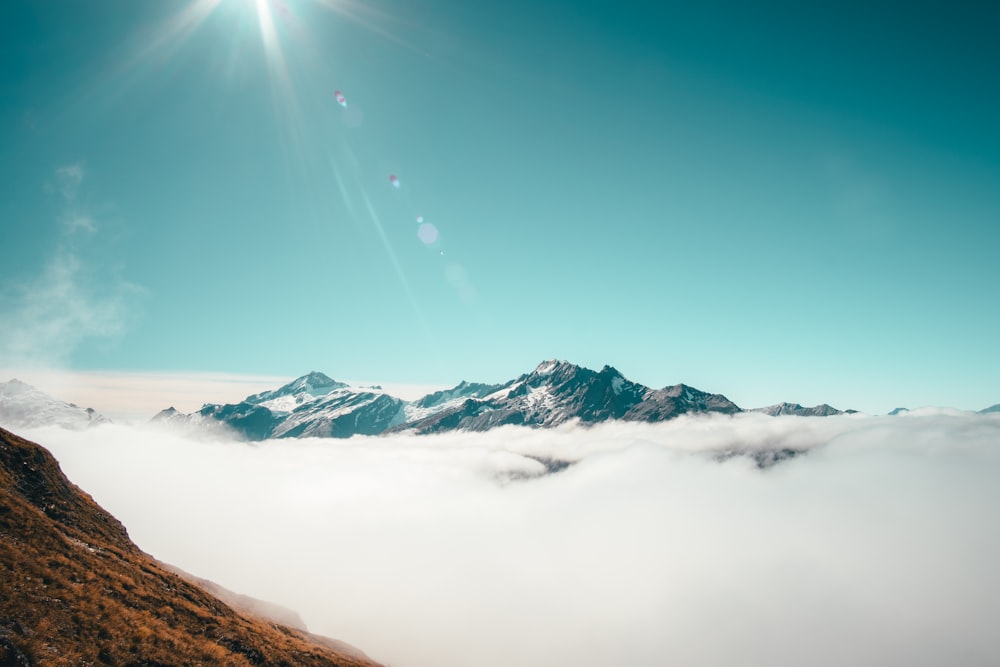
(341, 414)
(168, 415)
(446, 399)
(555, 392)
(296, 392)
(778, 409)
(23, 406)
(558, 391)
(313, 405)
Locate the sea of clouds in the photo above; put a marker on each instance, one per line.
(878, 546)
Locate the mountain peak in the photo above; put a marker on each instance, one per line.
(24, 406)
(785, 408)
(15, 386)
(168, 414)
(316, 380)
(550, 366)
(312, 384)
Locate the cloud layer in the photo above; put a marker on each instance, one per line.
(875, 548)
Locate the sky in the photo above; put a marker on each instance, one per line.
(778, 202)
(876, 547)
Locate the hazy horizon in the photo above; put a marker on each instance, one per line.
(133, 398)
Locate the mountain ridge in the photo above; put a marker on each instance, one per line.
(795, 409)
(552, 393)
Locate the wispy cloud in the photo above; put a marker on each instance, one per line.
(459, 280)
(71, 299)
(872, 549)
(49, 317)
(69, 177)
(68, 182)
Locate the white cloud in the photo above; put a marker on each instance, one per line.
(83, 223)
(875, 548)
(68, 179)
(73, 299)
(459, 280)
(47, 318)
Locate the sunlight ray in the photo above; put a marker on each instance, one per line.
(178, 29)
(377, 223)
(355, 12)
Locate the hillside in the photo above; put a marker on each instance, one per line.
(74, 589)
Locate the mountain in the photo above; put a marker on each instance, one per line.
(313, 405)
(898, 411)
(447, 399)
(558, 391)
(822, 410)
(553, 393)
(992, 408)
(305, 388)
(74, 590)
(23, 406)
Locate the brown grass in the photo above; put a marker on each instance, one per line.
(74, 590)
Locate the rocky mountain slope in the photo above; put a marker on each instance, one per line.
(313, 405)
(74, 590)
(557, 391)
(822, 410)
(553, 393)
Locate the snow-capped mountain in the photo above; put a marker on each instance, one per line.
(313, 405)
(778, 409)
(297, 392)
(447, 399)
(340, 414)
(558, 391)
(555, 392)
(23, 406)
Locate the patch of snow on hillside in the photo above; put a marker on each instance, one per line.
(413, 412)
(540, 400)
(283, 404)
(503, 392)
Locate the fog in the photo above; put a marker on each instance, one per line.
(876, 547)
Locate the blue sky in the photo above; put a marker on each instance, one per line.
(789, 202)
